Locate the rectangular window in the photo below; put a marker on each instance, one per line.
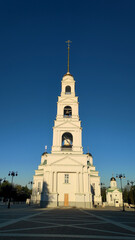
(66, 180)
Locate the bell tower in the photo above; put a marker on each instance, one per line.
(67, 131)
(66, 176)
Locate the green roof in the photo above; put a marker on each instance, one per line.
(108, 190)
(112, 190)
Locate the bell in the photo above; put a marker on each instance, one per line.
(67, 142)
(67, 112)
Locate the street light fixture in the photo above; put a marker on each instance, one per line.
(132, 185)
(31, 183)
(12, 174)
(120, 176)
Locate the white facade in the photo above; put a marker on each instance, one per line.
(113, 194)
(66, 176)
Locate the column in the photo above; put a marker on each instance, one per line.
(77, 182)
(50, 181)
(82, 183)
(55, 182)
(86, 182)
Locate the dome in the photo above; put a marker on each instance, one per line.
(112, 179)
(44, 153)
(68, 74)
(89, 154)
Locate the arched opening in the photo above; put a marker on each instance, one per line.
(68, 90)
(88, 163)
(67, 140)
(45, 162)
(67, 111)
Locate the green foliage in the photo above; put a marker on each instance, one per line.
(129, 194)
(125, 195)
(103, 194)
(17, 193)
(5, 190)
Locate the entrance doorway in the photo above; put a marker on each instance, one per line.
(65, 199)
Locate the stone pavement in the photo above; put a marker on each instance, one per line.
(64, 223)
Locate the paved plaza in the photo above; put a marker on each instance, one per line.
(64, 223)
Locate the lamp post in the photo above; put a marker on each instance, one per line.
(12, 174)
(31, 183)
(120, 176)
(132, 185)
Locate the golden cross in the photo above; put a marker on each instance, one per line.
(68, 43)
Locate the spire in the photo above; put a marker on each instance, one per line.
(68, 43)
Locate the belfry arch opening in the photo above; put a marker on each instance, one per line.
(67, 90)
(67, 111)
(67, 140)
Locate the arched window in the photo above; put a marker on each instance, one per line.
(88, 163)
(67, 140)
(67, 111)
(45, 162)
(68, 90)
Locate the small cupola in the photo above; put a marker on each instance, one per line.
(113, 183)
(112, 179)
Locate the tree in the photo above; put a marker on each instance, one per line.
(5, 190)
(126, 195)
(16, 192)
(129, 194)
(103, 194)
(132, 195)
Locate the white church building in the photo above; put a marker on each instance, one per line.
(114, 194)
(67, 176)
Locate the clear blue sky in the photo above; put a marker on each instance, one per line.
(33, 60)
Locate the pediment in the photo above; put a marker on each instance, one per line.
(116, 190)
(69, 100)
(67, 161)
(67, 124)
(68, 78)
